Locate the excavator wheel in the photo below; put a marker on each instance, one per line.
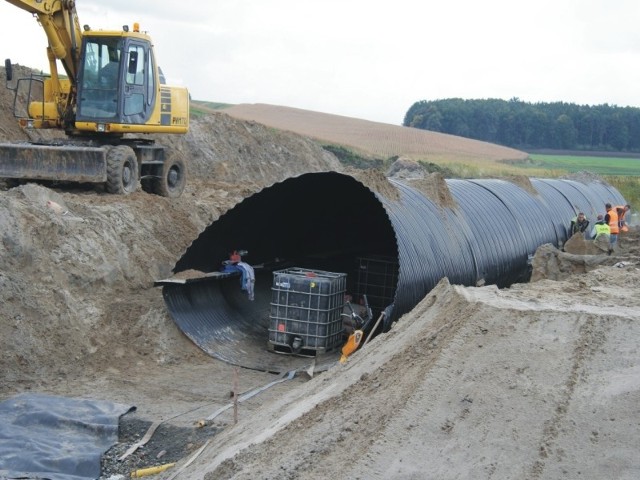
(122, 170)
(172, 180)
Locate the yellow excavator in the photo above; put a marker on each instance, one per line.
(110, 92)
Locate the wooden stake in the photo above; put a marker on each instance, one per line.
(366, 340)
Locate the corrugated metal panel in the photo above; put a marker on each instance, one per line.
(217, 317)
(430, 246)
(579, 197)
(498, 238)
(575, 193)
(559, 206)
(328, 220)
(531, 214)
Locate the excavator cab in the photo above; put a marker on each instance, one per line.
(120, 90)
(116, 81)
(109, 90)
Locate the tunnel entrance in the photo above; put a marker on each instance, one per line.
(328, 222)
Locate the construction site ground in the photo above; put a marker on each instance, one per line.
(538, 381)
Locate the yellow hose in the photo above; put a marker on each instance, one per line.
(143, 472)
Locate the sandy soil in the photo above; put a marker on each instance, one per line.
(536, 381)
(539, 381)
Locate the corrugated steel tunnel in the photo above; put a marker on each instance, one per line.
(484, 233)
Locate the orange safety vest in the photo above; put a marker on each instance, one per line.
(613, 221)
(622, 212)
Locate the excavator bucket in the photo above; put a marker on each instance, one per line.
(53, 162)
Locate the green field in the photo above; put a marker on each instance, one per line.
(609, 166)
(200, 108)
(622, 173)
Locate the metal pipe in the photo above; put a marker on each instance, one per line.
(334, 222)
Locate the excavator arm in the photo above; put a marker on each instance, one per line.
(59, 20)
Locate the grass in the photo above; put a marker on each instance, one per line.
(629, 187)
(199, 108)
(621, 173)
(571, 163)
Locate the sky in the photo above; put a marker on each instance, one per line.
(372, 59)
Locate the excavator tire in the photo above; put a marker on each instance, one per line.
(172, 180)
(122, 170)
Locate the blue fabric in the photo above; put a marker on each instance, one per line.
(246, 276)
(234, 268)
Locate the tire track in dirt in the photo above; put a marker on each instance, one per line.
(591, 338)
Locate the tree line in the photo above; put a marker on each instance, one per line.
(524, 125)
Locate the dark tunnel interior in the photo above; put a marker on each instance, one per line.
(322, 222)
(327, 223)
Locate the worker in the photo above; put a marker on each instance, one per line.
(235, 257)
(612, 220)
(109, 75)
(579, 224)
(600, 228)
(622, 210)
(247, 278)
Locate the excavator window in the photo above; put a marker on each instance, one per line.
(134, 90)
(135, 70)
(133, 62)
(151, 80)
(100, 73)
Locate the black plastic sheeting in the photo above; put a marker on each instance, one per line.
(331, 221)
(57, 438)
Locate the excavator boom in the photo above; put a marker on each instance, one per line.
(59, 20)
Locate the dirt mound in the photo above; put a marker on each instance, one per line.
(376, 181)
(523, 182)
(435, 188)
(77, 266)
(584, 176)
(406, 169)
(578, 245)
(246, 154)
(582, 256)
